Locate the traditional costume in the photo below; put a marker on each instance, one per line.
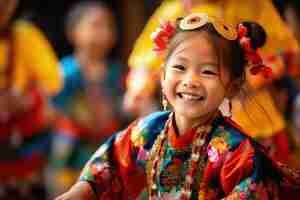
(150, 160)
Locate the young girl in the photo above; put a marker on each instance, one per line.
(192, 151)
(145, 65)
(88, 103)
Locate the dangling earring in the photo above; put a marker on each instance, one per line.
(164, 102)
(226, 107)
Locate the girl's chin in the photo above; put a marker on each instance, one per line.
(191, 115)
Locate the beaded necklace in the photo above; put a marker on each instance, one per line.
(157, 153)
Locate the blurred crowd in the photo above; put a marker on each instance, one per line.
(54, 113)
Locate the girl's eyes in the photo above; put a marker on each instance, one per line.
(209, 72)
(202, 70)
(179, 67)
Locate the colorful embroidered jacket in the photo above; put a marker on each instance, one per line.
(233, 166)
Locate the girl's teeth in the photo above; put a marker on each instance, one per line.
(190, 97)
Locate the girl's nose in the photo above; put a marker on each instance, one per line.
(192, 80)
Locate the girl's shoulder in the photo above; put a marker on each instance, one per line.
(147, 128)
(230, 133)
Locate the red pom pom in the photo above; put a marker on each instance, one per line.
(266, 71)
(242, 30)
(245, 43)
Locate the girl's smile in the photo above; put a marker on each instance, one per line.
(190, 96)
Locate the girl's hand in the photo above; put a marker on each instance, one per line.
(80, 191)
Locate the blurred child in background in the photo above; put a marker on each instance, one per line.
(29, 74)
(89, 103)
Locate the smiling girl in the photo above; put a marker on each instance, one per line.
(191, 151)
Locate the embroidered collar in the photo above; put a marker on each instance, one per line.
(180, 141)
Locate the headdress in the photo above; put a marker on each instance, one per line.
(166, 31)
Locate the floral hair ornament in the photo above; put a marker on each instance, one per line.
(252, 55)
(162, 35)
(166, 31)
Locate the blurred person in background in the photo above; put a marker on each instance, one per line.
(29, 74)
(89, 105)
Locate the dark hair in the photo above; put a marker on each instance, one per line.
(77, 12)
(229, 52)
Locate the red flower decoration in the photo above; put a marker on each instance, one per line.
(264, 70)
(252, 55)
(242, 30)
(162, 36)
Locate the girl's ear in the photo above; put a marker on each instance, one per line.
(162, 78)
(162, 73)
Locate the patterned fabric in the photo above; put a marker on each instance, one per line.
(235, 166)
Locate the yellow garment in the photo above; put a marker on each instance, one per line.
(233, 11)
(279, 38)
(34, 59)
(258, 115)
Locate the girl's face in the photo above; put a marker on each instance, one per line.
(95, 31)
(194, 83)
(7, 9)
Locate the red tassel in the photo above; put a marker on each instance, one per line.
(242, 31)
(266, 71)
